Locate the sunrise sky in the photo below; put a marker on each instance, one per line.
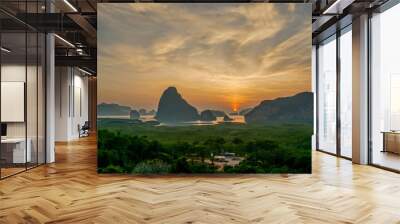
(218, 56)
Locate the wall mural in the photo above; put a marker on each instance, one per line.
(204, 88)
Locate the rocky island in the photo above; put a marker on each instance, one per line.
(173, 108)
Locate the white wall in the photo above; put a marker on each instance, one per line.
(13, 101)
(33, 127)
(16, 73)
(12, 73)
(80, 112)
(71, 103)
(62, 82)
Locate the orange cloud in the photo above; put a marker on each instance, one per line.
(219, 56)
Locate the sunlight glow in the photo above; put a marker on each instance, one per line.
(228, 57)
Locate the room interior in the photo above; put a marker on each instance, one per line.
(22, 102)
(48, 93)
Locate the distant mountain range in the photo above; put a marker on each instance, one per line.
(112, 109)
(292, 109)
(173, 108)
(245, 111)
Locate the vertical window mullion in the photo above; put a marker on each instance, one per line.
(317, 97)
(338, 80)
(37, 90)
(369, 91)
(26, 86)
(0, 93)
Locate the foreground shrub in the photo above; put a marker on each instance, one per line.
(112, 169)
(151, 166)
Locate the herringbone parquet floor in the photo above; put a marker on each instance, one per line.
(70, 191)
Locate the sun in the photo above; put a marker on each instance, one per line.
(235, 107)
(235, 101)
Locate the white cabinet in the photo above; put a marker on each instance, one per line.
(19, 154)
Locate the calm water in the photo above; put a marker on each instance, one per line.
(115, 116)
(142, 117)
(236, 119)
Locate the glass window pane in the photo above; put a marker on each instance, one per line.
(31, 97)
(346, 93)
(14, 153)
(23, 90)
(385, 92)
(327, 96)
(314, 90)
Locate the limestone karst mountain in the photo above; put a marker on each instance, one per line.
(172, 107)
(293, 109)
(211, 115)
